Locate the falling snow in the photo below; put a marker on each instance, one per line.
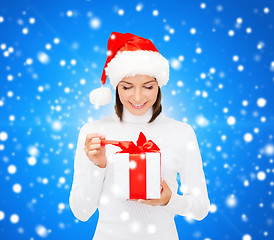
(221, 60)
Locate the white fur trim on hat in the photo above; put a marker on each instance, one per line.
(140, 62)
(100, 96)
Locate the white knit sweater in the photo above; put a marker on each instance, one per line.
(119, 219)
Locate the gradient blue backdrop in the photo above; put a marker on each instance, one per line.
(52, 54)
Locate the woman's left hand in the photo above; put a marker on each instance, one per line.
(164, 199)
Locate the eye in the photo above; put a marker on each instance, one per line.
(151, 87)
(126, 88)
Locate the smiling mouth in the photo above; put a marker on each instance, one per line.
(138, 106)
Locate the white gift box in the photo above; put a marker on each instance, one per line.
(137, 176)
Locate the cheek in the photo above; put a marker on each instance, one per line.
(152, 95)
(123, 95)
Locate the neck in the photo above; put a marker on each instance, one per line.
(129, 117)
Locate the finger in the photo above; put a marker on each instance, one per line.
(102, 136)
(94, 147)
(90, 136)
(153, 202)
(91, 153)
(163, 183)
(134, 200)
(95, 140)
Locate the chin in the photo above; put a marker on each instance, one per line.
(138, 112)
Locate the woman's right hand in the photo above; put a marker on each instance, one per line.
(94, 151)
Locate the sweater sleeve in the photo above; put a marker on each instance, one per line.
(87, 181)
(194, 202)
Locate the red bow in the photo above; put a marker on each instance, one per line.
(129, 147)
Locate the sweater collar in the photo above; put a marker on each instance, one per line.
(129, 117)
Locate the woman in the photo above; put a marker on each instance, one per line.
(137, 71)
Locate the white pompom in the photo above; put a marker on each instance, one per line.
(100, 96)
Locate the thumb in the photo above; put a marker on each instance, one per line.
(163, 183)
(102, 136)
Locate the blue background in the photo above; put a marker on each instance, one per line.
(44, 103)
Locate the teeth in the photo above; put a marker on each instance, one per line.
(137, 105)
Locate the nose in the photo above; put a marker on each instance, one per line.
(137, 95)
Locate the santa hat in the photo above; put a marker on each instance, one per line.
(129, 55)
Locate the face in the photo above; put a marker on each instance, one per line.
(138, 93)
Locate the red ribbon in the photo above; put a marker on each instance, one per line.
(129, 147)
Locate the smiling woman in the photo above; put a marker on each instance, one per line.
(137, 71)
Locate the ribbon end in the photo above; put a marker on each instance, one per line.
(141, 139)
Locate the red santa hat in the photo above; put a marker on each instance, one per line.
(129, 55)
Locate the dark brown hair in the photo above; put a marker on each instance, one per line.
(157, 106)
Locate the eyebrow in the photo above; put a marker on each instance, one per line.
(144, 83)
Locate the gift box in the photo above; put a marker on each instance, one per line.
(137, 169)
